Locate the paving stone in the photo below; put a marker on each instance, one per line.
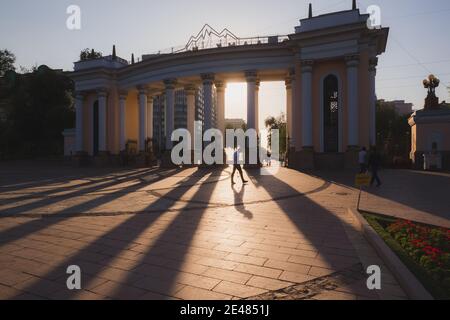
(176, 234)
(191, 293)
(238, 290)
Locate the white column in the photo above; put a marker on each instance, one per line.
(353, 114)
(295, 112)
(373, 100)
(208, 81)
(102, 103)
(251, 99)
(170, 111)
(149, 117)
(122, 120)
(220, 89)
(190, 97)
(79, 99)
(307, 119)
(142, 121)
(257, 85)
(288, 83)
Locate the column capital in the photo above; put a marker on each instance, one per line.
(373, 63)
(80, 95)
(288, 82)
(251, 75)
(149, 98)
(123, 94)
(102, 92)
(143, 89)
(307, 65)
(220, 85)
(170, 83)
(190, 89)
(352, 60)
(208, 78)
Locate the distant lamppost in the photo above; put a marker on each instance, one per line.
(431, 83)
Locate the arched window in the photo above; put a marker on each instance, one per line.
(331, 114)
(95, 130)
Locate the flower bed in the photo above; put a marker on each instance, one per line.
(425, 250)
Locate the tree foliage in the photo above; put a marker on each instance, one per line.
(88, 54)
(393, 132)
(279, 123)
(39, 107)
(7, 60)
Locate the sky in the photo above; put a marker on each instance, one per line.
(36, 32)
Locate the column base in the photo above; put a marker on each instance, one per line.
(145, 160)
(80, 159)
(166, 161)
(302, 160)
(102, 159)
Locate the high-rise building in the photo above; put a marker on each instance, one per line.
(180, 120)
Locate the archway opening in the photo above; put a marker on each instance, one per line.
(272, 101)
(272, 108)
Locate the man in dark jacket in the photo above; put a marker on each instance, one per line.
(374, 165)
(237, 166)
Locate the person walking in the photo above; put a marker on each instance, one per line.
(362, 158)
(237, 167)
(374, 165)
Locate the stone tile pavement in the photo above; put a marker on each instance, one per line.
(179, 234)
(415, 195)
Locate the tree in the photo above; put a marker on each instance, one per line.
(393, 132)
(7, 60)
(279, 123)
(39, 108)
(88, 54)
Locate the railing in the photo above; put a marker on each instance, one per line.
(195, 44)
(225, 42)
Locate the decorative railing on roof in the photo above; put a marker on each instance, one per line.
(209, 38)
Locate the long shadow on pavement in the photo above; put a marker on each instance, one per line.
(34, 226)
(161, 279)
(137, 224)
(112, 178)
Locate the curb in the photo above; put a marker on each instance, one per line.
(413, 288)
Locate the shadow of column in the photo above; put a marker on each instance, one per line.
(137, 222)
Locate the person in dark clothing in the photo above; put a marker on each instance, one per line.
(237, 167)
(374, 165)
(362, 159)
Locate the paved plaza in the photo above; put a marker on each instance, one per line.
(182, 234)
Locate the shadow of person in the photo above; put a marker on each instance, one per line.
(239, 201)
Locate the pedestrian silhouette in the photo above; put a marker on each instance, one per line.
(237, 166)
(374, 165)
(362, 157)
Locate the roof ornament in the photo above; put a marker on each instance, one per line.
(208, 36)
(132, 58)
(114, 56)
(354, 7)
(310, 14)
